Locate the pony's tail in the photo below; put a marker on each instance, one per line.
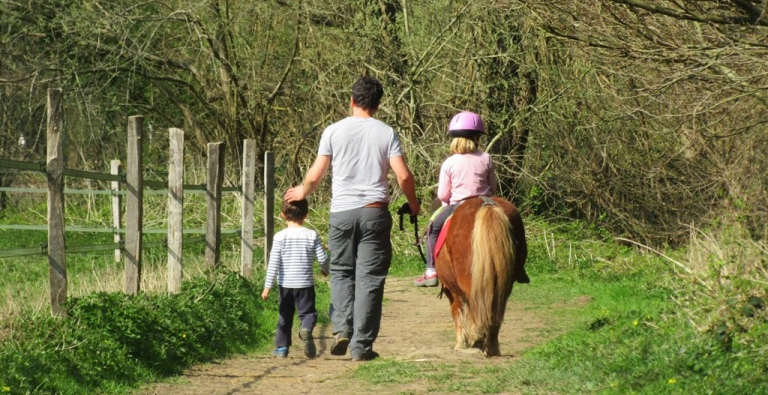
(493, 255)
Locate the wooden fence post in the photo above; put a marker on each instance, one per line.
(175, 209)
(269, 203)
(117, 213)
(213, 189)
(54, 168)
(246, 211)
(134, 205)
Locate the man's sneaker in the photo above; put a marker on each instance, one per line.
(426, 281)
(281, 352)
(340, 343)
(365, 356)
(309, 343)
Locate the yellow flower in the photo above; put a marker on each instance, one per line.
(6, 389)
(184, 336)
(672, 381)
(614, 384)
(635, 323)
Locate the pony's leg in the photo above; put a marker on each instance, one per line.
(463, 326)
(455, 314)
(491, 343)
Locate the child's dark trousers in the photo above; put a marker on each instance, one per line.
(291, 301)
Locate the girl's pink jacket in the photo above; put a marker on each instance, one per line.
(464, 176)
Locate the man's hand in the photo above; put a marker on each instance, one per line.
(415, 209)
(265, 294)
(294, 194)
(311, 182)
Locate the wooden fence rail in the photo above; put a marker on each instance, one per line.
(128, 243)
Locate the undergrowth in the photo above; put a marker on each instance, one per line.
(112, 341)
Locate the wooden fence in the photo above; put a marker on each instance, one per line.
(128, 241)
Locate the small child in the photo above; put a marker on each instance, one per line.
(467, 173)
(290, 262)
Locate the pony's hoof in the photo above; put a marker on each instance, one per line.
(469, 350)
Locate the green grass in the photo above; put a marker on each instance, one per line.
(111, 342)
(24, 283)
(628, 339)
(614, 328)
(620, 321)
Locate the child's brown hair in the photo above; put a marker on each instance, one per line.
(296, 210)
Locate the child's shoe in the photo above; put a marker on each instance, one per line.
(426, 281)
(280, 352)
(309, 343)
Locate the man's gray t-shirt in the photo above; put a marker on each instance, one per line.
(360, 149)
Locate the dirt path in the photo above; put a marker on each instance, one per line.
(415, 327)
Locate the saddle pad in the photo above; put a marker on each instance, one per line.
(441, 237)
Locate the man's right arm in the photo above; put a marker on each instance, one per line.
(406, 181)
(312, 180)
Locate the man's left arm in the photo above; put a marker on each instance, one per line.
(406, 181)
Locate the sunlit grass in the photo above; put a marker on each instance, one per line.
(621, 320)
(24, 285)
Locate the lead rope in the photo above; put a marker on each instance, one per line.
(406, 209)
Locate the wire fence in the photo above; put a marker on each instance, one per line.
(39, 167)
(128, 243)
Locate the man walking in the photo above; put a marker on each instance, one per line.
(361, 150)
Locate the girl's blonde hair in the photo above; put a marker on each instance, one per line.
(463, 145)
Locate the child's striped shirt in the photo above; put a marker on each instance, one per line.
(290, 260)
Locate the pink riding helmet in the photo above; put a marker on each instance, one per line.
(466, 124)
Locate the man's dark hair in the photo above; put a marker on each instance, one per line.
(367, 92)
(296, 210)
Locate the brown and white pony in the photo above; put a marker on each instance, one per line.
(484, 251)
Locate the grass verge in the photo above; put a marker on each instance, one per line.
(620, 322)
(110, 342)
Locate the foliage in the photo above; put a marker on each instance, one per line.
(110, 341)
(643, 118)
(647, 352)
(654, 113)
(622, 321)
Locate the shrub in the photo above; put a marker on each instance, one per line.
(113, 340)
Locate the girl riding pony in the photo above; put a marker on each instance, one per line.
(467, 173)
